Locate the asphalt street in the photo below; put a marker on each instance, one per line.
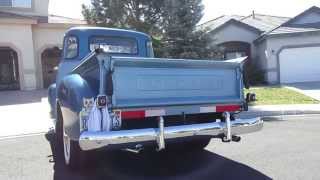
(287, 148)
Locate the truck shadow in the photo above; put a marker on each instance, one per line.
(150, 164)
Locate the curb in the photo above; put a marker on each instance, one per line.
(281, 110)
(277, 113)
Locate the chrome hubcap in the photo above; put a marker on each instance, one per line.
(66, 147)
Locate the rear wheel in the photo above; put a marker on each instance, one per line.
(74, 157)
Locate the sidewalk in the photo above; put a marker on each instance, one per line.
(311, 89)
(24, 113)
(278, 110)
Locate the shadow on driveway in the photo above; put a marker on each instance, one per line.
(306, 85)
(21, 97)
(149, 164)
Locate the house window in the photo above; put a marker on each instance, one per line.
(16, 3)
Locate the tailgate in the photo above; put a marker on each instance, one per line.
(153, 82)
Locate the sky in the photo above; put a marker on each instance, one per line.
(213, 8)
(67, 8)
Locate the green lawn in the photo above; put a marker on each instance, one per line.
(278, 95)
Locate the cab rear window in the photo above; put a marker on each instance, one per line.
(71, 47)
(115, 45)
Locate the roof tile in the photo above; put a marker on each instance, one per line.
(259, 21)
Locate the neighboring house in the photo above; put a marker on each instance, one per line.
(286, 50)
(30, 42)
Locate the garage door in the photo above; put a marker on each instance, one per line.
(299, 64)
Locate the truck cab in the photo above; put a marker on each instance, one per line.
(78, 42)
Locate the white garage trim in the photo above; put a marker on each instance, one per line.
(289, 47)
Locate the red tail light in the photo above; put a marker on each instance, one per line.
(140, 114)
(229, 108)
(133, 114)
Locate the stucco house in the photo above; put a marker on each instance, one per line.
(285, 50)
(30, 42)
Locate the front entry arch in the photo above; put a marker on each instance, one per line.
(235, 49)
(9, 69)
(49, 61)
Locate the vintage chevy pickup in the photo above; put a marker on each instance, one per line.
(111, 93)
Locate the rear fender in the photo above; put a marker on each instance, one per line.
(52, 98)
(71, 91)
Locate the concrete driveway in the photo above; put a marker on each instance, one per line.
(24, 113)
(285, 149)
(311, 89)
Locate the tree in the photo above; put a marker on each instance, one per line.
(182, 39)
(140, 15)
(104, 13)
(171, 24)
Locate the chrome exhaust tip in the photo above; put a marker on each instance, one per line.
(137, 149)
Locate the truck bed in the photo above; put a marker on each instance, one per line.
(154, 82)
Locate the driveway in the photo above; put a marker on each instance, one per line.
(24, 113)
(311, 89)
(286, 149)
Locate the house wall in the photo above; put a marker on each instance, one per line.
(46, 36)
(29, 41)
(43, 38)
(227, 34)
(38, 7)
(276, 43)
(261, 56)
(19, 38)
(41, 7)
(311, 17)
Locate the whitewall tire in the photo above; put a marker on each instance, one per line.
(66, 147)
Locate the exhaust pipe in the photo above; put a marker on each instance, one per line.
(137, 149)
(227, 137)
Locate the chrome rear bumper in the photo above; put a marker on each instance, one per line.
(95, 140)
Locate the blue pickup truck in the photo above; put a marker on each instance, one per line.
(112, 93)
